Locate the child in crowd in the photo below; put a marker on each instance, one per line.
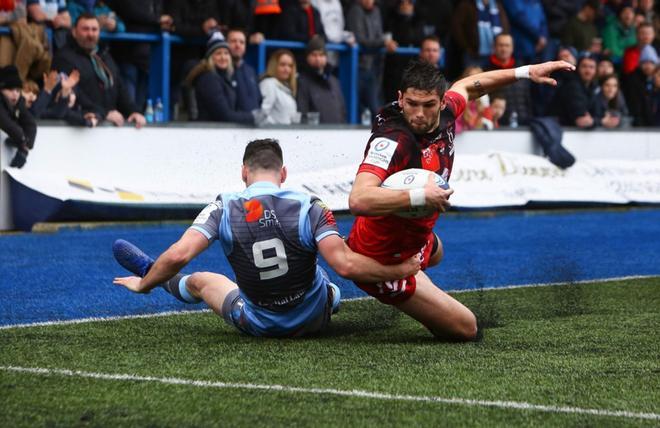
(15, 119)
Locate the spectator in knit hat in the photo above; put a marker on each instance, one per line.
(15, 119)
(215, 85)
(318, 90)
(638, 88)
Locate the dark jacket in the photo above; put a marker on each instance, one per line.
(638, 92)
(247, 87)
(92, 95)
(558, 12)
(518, 96)
(575, 99)
(464, 26)
(322, 93)
(17, 123)
(189, 15)
(139, 17)
(294, 26)
(217, 99)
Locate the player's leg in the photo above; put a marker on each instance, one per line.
(437, 252)
(211, 287)
(444, 316)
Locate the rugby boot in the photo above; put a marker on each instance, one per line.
(131, 257)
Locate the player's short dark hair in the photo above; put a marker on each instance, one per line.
(263, 154)
(423, 76)
(84, 15)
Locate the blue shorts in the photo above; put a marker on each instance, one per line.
(310, 316)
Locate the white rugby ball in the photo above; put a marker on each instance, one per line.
(413, 178)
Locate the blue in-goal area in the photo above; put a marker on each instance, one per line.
(68, 274)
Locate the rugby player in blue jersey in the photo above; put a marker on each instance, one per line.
(271, 238)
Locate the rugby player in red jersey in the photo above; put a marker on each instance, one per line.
(417, 131)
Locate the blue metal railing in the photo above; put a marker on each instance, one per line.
(159, 74)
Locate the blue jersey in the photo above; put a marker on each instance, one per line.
(270, 237)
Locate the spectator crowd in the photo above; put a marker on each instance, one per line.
(72, 75)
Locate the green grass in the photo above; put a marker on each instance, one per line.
(592, 346)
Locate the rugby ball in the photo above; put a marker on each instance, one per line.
(413, 178)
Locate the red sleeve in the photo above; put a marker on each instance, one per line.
(455, 103)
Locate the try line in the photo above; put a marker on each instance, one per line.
(185, 312)
(517, 405)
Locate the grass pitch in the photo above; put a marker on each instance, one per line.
(585, 346)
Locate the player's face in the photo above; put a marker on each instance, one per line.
(421, 109)
(236, 42)
(86, 33)
(221, 58)
(284, 68)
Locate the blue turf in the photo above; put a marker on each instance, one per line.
(68, 275)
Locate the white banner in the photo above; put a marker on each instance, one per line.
(184, 166)
(491, 180)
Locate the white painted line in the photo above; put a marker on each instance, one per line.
(518, 405)
(100, 319)
(184, 312)
(553, 284)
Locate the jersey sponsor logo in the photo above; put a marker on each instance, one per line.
(430, 158)
(381, 151)
(204, 215)
(253, 210)
(269, 219)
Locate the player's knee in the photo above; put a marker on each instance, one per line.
(465, 330)
(197, 281)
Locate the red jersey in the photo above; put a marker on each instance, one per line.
(393, 147)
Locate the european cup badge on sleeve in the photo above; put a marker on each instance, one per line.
(381, 151)
(204, 215)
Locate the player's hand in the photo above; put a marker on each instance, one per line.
(411, 266)
(540, 73)
(130, 282)
(436, 196)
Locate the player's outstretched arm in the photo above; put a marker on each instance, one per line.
(477, 85)
(352, 265)
(169, 263)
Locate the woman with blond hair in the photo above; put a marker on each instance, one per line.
(215, 86)
(278, 89)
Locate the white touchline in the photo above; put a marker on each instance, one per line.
(352, 393)
(185, 312)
